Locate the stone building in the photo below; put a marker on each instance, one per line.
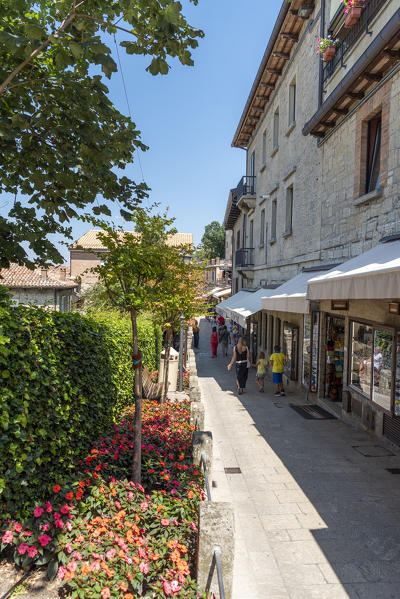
(39, 287)
(321, 191)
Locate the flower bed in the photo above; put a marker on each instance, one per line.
(107, 537)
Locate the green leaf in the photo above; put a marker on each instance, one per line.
(52, 569)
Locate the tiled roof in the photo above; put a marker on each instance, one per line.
(22, 277)
(90, 241)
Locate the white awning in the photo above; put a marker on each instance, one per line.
(211, 292)
(240, 306)
(372, 275)
(223, 293)
(292, 295)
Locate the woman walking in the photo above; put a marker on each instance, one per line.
(241, 356)
(196, 334)
(214, 342)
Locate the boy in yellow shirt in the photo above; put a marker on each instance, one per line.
(277, 361)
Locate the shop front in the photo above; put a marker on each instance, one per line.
(360, 360)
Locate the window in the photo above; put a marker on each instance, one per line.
(290, 349)
(310, 351)
(273, 221)
(262, 227)
(271, 334)
(238, 240)
(276, 129)
(252, 164)
(361, 352)
(289, 210)
(264, 148)
(382, 368)
(244, 233)
(374, 153)
(292, 102)
(252, 233)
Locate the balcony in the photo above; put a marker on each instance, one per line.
(244, 258)
(348, 38)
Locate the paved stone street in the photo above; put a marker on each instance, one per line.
(315, 518)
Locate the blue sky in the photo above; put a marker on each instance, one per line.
(188, 118)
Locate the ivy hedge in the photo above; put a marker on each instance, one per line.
(64, 378)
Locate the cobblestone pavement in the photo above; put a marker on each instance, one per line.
(315, 518)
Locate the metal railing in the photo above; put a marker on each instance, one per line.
(246, 187)
(362, 26)
(244, 257)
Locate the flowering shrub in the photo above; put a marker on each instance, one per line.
(348, 4)
(107, 537)
(324, 42)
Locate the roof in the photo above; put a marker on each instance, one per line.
(292, 295)
(90, 240)
(284, 36)
(21, 277)
(375, 274)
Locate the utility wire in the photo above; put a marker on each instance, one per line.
(127, 101)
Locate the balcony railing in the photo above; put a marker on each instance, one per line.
(244, 257)
(362, 26)
(246, 187)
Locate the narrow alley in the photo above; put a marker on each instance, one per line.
(316, 516)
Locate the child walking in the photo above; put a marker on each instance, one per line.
(278, 361)
(261, 366)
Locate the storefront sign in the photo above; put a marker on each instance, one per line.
(340, 305)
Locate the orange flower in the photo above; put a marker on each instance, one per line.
(98, 467)
(124, 586)
(69, 496)
(183, 548)
(129, 596)
(136, 559)
(190, 494)
(68, 576)
(113, 492)
(175, 556)
(160, 507)
(86, 569)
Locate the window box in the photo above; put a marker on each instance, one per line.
(329, 53)
(352, 16)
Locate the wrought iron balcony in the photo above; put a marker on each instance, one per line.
(368, 14)
(246, 187)
(244, 258)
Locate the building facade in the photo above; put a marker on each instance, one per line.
(321, 189)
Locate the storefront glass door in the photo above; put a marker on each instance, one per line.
(310, 351)
(334, 357)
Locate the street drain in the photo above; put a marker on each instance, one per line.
(373, 451)
(393, 470)
(232, 471)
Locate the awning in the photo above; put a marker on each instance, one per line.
(292, 295)
(242, 305)
(211, 292)
(223, 293)
(372, 275)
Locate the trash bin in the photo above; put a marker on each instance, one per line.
(172, 370)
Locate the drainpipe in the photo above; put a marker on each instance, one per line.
(321, 66)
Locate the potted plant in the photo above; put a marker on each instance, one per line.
(326, 47)
(352, 11)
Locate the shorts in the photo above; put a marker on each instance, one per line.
(260, 377)
(277, 377)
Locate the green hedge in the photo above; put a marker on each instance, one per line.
(63, 380)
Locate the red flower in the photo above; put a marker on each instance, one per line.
(56, 488)
(69, 496)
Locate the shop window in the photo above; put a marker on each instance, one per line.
(334, 357)
(374, 154)
(292, 102)
(289, 210)
(273, 220)
(262, 227)
(382, 369)
(310, 351)
(361, 353)
(291, 350)
(276, 130)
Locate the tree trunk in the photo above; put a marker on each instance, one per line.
(166, 367)
(137, 426)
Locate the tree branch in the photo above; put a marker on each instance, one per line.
(107, 23)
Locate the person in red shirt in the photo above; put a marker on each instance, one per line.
(214, 342)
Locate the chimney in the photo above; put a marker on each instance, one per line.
(63, 274)
(43, 273)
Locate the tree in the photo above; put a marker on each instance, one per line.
(132, 270)
(213, 240)
(61, 138)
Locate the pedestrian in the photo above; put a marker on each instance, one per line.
(221, 320)
(261, 366)
(224, 340)
(196, 334)
(241, 356)
(278, 361)
(214, 342)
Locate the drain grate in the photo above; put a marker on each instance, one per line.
(232, 471)
(373, 451)
(393, 470)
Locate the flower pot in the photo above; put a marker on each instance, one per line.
(329, 53)
(352, 16)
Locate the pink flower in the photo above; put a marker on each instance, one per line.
(23, 548)
(144, 567)
(167, 587)
(111, 553)
(105, 593)
(164, 522)
(144, 506)
(44, 540)
(49, 507)
(118, 505)
(45, 527)
(65, 509)
(130, 495)
(95, 566)
(38, 512)
(32, 551)
(68, 547)
(7, 537)
(69, 526)
(78, 555)
(140, 488)
(61, 572)
(128, 560)
(59, 523)
(72, 566)
(175, 586)
(18, 527)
